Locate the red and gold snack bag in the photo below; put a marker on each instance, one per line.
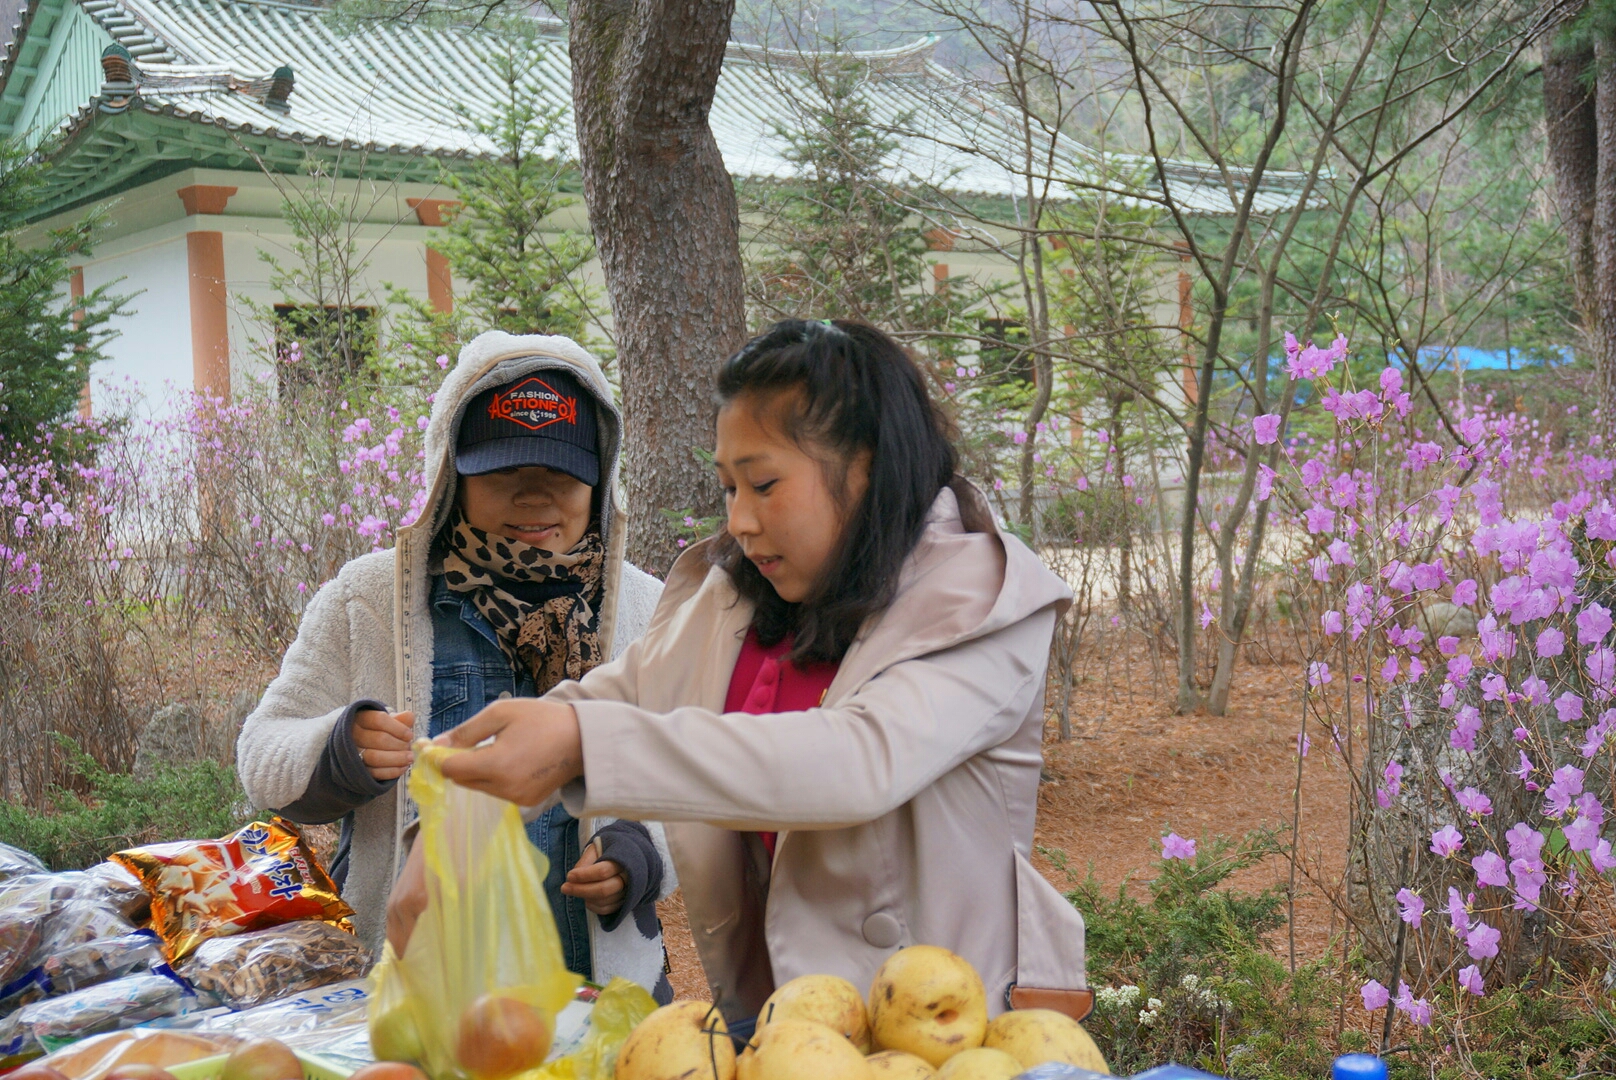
(262, 875)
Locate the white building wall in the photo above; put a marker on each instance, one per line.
(153, 348)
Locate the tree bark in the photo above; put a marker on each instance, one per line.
(663, 211)
(1604, 231)
(1573, 132)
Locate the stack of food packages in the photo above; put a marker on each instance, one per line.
(160, 953)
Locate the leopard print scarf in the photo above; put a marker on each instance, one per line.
(556, 639)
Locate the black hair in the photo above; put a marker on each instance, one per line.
(846, 388)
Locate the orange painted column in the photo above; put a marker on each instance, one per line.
(75, 289)
(439, 278)
(210, 314)
(210, 303)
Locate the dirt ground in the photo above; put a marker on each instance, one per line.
(1133, 771)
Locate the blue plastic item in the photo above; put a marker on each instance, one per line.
(1055, 1070)
(1358, 1067)
(1175, 1072)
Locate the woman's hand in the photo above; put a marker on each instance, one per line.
(536, 749)
(384, 742)
(598, 882)
(408, 899)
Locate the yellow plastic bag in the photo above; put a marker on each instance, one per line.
(485, 953)
(619, 1008)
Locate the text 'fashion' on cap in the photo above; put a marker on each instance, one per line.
(544, 419)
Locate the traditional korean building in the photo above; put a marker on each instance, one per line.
(194, 119)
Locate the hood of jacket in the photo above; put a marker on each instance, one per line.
(494, 359)
(487, 361)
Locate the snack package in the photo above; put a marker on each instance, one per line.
(487, 932)
(250, 969)
(134, 999)
(264, 874)
(98, 1055)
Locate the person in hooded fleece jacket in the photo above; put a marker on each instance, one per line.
(511, 582)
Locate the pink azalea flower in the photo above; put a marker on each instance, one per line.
(1175, 846)
(1265, 429)
(1331, 622)
(1601, 858)
(1550, 642)
(1482, 941)
(1446, 841)
(1470, 980)
(1464, 593)
(1568, 707)
(1375, 996)
(1581, 834)
(1593, 623)
(1410, 907)
(1474, 803)
(1491, 869)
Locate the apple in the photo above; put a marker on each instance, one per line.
(261, 1059)
(929, 1002)
(501, 1036)
(827, 999)
(389, 1070)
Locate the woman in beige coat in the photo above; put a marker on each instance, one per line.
(837, 710)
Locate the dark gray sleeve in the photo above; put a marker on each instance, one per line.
(628, 844)
(340, 782)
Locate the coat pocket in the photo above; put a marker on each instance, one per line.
(1050, 959)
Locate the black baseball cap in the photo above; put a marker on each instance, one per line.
(546, 418)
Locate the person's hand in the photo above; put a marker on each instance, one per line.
(384, 742)
(598, 882)
(408, 899)
(536, 749)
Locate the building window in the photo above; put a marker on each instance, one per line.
(320, 348)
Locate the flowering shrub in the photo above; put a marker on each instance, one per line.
(1459, 585)
(134, 525)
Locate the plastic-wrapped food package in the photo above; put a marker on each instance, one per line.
(249, 969)
(134, 999)
(262, 875)
(98, 1055)
(329, 1022)
(92, 962)
(24, 911)
(1057, 1071)
(15, 862)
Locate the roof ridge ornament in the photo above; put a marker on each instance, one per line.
(120, 78)
(281, 85)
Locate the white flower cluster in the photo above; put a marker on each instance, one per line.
(1147, 1015)
(1117, 997)
(1203, 997)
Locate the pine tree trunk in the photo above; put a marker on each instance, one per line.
(1604, 232)
(663, 211)
(1568, 107)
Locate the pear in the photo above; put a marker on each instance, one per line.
(802, 1050)
(980, 1064)
(1034, 1036)
(827, 999)
(928, 1002)
(683, 1041)
(897, 1065)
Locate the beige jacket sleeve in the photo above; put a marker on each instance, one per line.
(824, 768)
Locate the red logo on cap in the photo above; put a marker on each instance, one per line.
(533, 404)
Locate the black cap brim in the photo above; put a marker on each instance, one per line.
(496, 454)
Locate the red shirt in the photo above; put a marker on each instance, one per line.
(765, 682)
